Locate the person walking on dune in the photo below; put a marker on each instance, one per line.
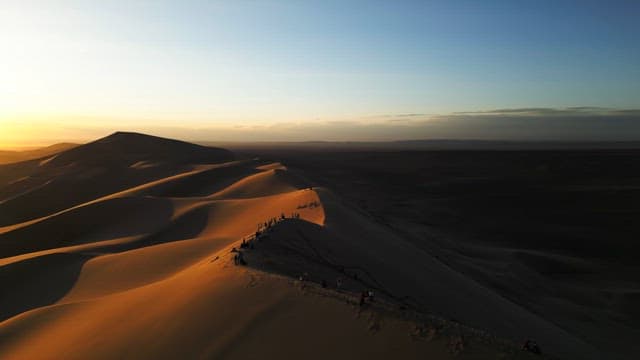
(532, 347)
(238, 259)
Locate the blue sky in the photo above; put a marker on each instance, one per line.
(221, 64)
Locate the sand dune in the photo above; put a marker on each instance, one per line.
(127, 253)
(97, 169)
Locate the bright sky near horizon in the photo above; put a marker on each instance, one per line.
(323, 70)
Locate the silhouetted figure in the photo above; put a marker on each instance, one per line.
(362, 298)
(535, 348)
(239, 259)
(304, 276)
(323, 283)
(532, 347)
(339, 283)
(456, 344)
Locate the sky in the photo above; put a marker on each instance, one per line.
(323, 70)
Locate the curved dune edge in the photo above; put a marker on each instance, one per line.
(160, 282)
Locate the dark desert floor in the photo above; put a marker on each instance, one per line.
(553, 231)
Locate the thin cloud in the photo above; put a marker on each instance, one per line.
(575, 110)
(530, 124)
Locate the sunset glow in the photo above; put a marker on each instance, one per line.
(75, 70)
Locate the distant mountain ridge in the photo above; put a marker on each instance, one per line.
(436, 144)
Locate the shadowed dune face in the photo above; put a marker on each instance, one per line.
(123, 150)
(37, 282)
(202, 183)
(137, 261)
(109, 219)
